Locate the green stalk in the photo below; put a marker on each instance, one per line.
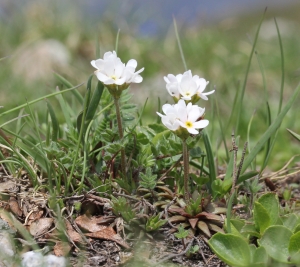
(120, 128)
(185, 155)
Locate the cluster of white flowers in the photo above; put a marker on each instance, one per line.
(112, 71)
(187, 87)
(183, 115)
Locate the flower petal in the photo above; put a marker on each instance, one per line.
(201, 124)
(132, 63)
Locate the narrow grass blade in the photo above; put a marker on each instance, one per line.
(248, 139)
(38, 99)
(240, 102)
(297, 136)
(222, 130)
(210, 159)
(268, 147)
(199, 166)
(272, 143)
(234, 107)
(282, 67)
(68, 85)
(247, 176)
(55, 124)
(94, 103)
(179, 44)
(64, 108)
(274, 126)
(17, 118)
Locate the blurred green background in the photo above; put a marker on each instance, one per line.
(42, 37)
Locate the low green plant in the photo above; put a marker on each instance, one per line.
(121, 207)
(154, 223)
(193, 250)
(277, 237)
(182, 234)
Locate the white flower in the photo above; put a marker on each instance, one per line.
(187, 116)
(170, 120)
(111, 70)
(185, 86)
(201, 83)
(172, 84)
(190, 117)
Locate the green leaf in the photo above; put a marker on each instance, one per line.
(94, 103)
(297, 136)
(274, 126)
(250, 229)
(55, 124)
(210, 159)
(297, 228)
(291, 221)
(38, 99)
(294, 245)
(240, 100)
(261, 217)
(67, 84)
(276, 241)
(157, 127)
(64, 108)
(271, 204)
(260, 257)
(246, 176)
(231, 249)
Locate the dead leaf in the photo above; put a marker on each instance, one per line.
(193, 222)
(61, 249)
(40, 226)
(89, 224)
(204, 228)
(7, 186)
(109, 234)
(14, 207)
(74, 236)
(177, 218)
(35, 215)
(209, 216)
(215, 228)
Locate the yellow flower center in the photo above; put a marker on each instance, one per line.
(189, 124)
(114, 77)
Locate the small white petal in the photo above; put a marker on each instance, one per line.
(203, 96)
(192, 130)
(209, 93)
(201, 124)
(131, 63)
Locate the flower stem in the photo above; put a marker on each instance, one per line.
(119, 121)
(185, 154)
